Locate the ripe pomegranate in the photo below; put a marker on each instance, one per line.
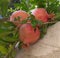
(21, 14)
(40, 14)
(28, 35)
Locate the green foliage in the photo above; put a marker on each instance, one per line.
(8, 36)
(57, 17)
(33, 21)
(11, 53)
(8, 32)
(53, 6)
(24, 21)
(43, 30)
(4, 7)
(27, 5)
(3, 49)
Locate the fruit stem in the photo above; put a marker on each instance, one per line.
(50, 22)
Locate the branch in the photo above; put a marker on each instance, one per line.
(9, 52)
(50, 22)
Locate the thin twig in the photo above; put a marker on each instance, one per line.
(13, 48)
(50, 22)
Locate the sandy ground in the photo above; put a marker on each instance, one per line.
(48, 47)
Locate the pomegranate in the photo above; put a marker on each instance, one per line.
(40, 14)
(21, 14)
(28, 35)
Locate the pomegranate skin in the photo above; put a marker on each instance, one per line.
(20, 13)
(40, 14)
(28, 35)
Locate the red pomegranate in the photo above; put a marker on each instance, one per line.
(40, 14)
(28, 35)
(20, 13)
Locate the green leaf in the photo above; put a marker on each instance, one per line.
(43, 30)
(52, 6)
(24, 21)
(2, 42)
(57, 17)
(4, 7)
(18, 18)
(6, 26)
(34, 23)
(3, 49)
(9, 37)
(11, 52)
(8, 32)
